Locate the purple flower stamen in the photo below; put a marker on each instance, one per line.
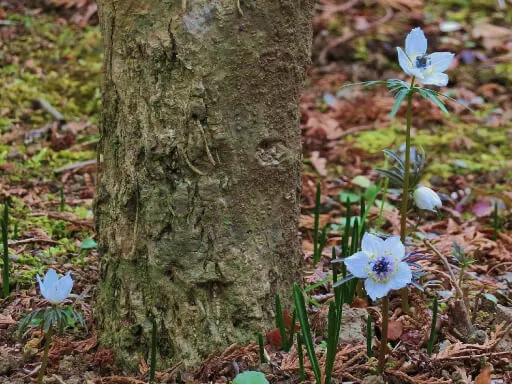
(381, 266)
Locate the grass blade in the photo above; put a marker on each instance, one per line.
(261, 348)
(369, 337)
(300, 307)
(302, 371)
(280, 323)
(332, 343)
(316, 254)
(432, 338)
(5, 255)
(152, 367)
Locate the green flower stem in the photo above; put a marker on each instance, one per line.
(405, 196)
(405, 192)
(384, 335)
(44, 362)
(5, 254)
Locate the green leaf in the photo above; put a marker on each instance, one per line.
(250, 377)
(431, 95)
(399, 98)
(362, 181)
(88, 243)
(372, 192)
(491, 297)
(350, 196)
(395, 157)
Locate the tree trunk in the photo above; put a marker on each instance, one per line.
(198, 200)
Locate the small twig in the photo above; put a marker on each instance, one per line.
(191, 166)
(210, 157)
(59, 379)
(239, 8)
(71, 167)
(30, 241)
(359, 128)
(322, 58)
(497, 266)
(42, 103)
(460, 306)
(447, 265)
(475, 356)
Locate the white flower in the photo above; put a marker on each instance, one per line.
(428, 69)
(380, 263)
(53, 289)
(425, 198)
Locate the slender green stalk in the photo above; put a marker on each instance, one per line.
(338, 298)
(152, 367)
(300, 307)
(432, 338)
(178, 378)
(384, 336)
(5, 255)
(461, 275)
(384, 194)
(302, 371)
(280, 324)
(369, 337)
(405, 191)
(62, 199)
(261, 348)
(289, 343)
(332, 343)
(316, 225)
(44, 362)
(362, 215)
(496, 222)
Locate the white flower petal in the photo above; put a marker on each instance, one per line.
(404, 61)
(50, 278)
(371, 244)
(407, 65)
(376, 290)
(403, 276)
(52, 294)
(42, 288)
(357, 264)
(415, 42)
(436, 78)
(65, 287)
(441, 60)
(427, 199)
(395, 247)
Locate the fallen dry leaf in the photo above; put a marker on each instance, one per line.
(485, 375)
(395, 329)
(319, 163)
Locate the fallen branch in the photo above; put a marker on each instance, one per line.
(71, 167)
(46, 106)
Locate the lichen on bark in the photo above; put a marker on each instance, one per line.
(197, 206)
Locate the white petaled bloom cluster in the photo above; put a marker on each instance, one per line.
(53, 289)
(380, 263)
(428, 69)
(427, 199)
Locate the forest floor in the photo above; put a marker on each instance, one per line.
(50, 66)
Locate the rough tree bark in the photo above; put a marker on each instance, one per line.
(197, 206)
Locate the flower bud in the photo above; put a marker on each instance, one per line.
(55, 289)
(425, 198)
